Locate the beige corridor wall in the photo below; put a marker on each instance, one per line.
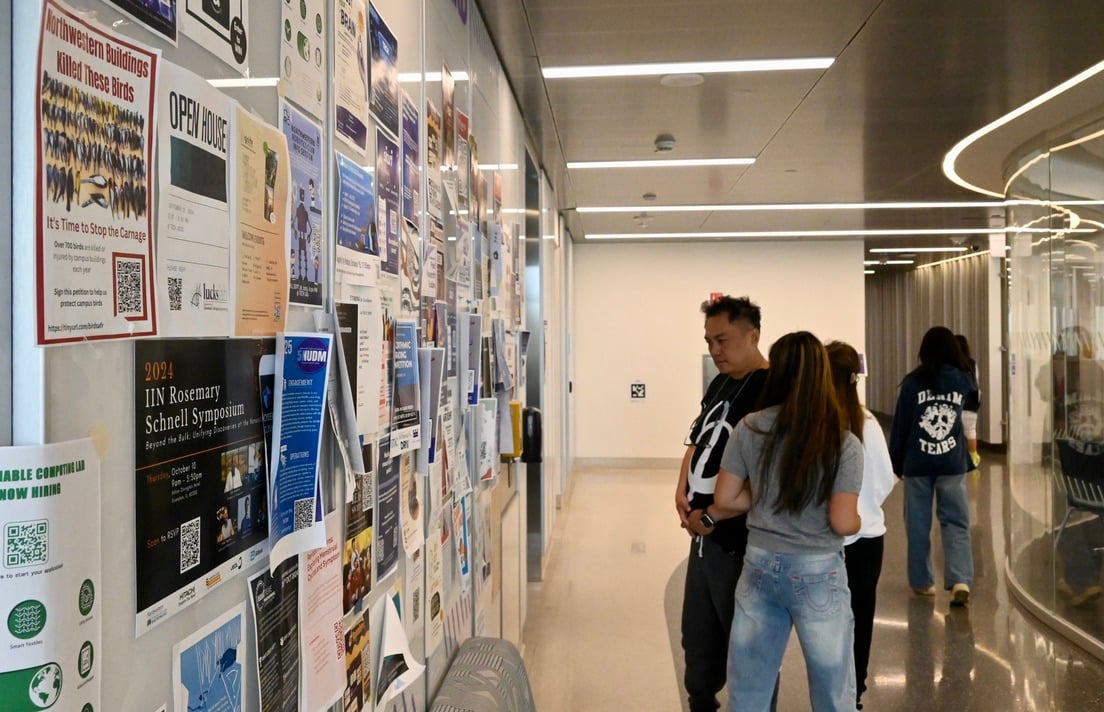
(636, 318)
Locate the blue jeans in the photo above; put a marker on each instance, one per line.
(778, 592)
(953, 511)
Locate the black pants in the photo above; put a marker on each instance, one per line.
(708, 604)
(864, 567)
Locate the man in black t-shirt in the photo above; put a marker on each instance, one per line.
(732, 334)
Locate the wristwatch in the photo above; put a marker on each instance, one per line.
(706, 520)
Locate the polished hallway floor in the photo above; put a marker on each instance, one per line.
(602, 627)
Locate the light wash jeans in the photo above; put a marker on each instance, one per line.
(952, 508)
(778, 592)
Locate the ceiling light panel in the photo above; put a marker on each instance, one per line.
(664, 163)
(660, 69)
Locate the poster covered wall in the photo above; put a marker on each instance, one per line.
(95, 147)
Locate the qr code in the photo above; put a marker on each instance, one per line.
(176, 288)
(26, 543)
(129, 287)
(304, 513)
(189, 545)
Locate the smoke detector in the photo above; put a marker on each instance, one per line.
(664, 142)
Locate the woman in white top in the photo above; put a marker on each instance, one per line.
(863, 550)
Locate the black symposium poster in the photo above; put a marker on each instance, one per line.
(199, 461)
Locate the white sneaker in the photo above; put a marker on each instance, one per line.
(960, 594)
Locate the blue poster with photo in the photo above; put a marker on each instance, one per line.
(411, 174)
(307, 261)
(295, 502)
(384, 99)
(356, 207)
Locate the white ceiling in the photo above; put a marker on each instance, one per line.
(910, 80)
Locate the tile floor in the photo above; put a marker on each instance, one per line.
(602, 627)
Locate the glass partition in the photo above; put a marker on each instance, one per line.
(1056, 399)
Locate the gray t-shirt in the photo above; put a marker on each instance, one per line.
(807, 532)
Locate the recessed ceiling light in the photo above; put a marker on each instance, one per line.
(900, 262)
(903, 232)
(664, 163)
(659, 69)
(872, 262)
(682, 80)
(498, 166)
(868, 271)
(410, 77)
(246, 82)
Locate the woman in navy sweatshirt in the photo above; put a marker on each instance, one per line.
(928, 449)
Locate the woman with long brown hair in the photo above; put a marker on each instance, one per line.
(796, 469)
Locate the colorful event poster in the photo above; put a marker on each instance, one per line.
(356, 557)
(307, 259)
(358, 662)
(461, 509)
(321, 642)
(207, 665)
(350, 88)
(406, 419)
(193, 215)
(294, 491)
(411, 168)
(302, 42)
(258, 246)
(93, 208)
(358, 248)
(434, 200)
(388, 190)
(387, 512)
(52, 590)
(200, 507)
(410, 270)
(410, 504)
(158, 16)
(274, 597)
(221, 28)
(384, 101)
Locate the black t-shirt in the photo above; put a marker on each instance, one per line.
(726, 402)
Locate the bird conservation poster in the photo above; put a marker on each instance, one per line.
(95, 146)
(50, 586)
(199, 486)
(193, 215)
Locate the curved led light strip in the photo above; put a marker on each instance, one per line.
(952, 156)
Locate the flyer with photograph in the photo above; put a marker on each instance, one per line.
(448, 123)
(350, 73)
(207, 666)
(435, 607)
(302, 48)
(294, 488)
(52, 588)
(221, 28)
(356, 557)
(388, 192)
(322, 644)
(384, 100)
(410, 270)
(274, 597)
(193, 212)
(94, 231)
(358, 248)
(199, 493)
(258, 247)
(411, 510)
(358, 661)
(434, 198)
(463, 163)
(413, 597)
(307, 261)
(487, 452)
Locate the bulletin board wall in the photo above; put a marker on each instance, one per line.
(87, 387)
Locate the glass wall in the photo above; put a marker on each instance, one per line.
(1056, 398)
